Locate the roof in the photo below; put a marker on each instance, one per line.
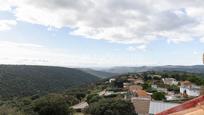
(184, 106)
(81, 105)
(158, 106)
(198, 110)
(186, 83)
(134, 87)
(141, 93)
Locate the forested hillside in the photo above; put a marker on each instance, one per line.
(100, 74)
(23, 80)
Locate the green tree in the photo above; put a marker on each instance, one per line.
(93, 98)
(53, 104)
(158, 96)
(174, 88)
(111, 107)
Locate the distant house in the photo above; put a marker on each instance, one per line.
(159, 89)
(136, 91)
(112, 80)
(80, 107)
(126, 84)
(131, 79)
(139, 81)
(134, 87)
(170, 81)
(154, 86)
(187, 88)
(156, 76)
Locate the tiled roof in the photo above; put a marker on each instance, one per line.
(141, 93)
(185, 106)
(198, 110)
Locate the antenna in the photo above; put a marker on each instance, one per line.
(203, 58)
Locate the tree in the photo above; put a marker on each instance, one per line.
(111, 107)
(53, 104)
(158, 96)
(93, 98)
(174, 88)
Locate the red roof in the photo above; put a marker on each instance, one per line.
(183, 106)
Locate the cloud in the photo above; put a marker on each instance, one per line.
(5, 5)
(138, 48)
(121, 21)
(35, 54)
(7, 24)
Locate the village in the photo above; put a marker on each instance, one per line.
(149, 95)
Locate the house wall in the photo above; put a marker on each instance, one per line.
(190, 92)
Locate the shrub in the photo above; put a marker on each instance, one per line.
(52, 104)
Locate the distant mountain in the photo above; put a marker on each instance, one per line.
(23, 80)
(191, 69)
(100, 74)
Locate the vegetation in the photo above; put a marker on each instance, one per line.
(21, 80)
(111, 107)
(36, 81)
(158, 96)
(7, 110)
(196, 78)
(51, 105)
(174, 88)
(91, 98)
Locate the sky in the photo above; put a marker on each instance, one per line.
(101, 33)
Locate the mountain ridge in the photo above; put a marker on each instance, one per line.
(24, 80)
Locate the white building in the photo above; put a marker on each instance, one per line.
(189, 89)
(170, 81)
(112, 80)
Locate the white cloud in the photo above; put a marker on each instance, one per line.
(137, 48)
(7, 24)
(34, 54)
(122, 21)
(5, 5)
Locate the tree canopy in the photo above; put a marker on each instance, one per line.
(111, 107)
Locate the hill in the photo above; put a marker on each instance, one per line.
(191, 69)
(23, 80)
(100, 74)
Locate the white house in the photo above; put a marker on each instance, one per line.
(160, 89)
(170, 81)
(112, 80)
(189, 89)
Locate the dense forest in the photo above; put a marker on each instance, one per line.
(23, 80)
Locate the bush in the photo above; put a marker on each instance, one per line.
(93, 98)
(111, 107)
(7, 110)
(158, 96)
(52, 104)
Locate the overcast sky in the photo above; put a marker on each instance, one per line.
(101, 33)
